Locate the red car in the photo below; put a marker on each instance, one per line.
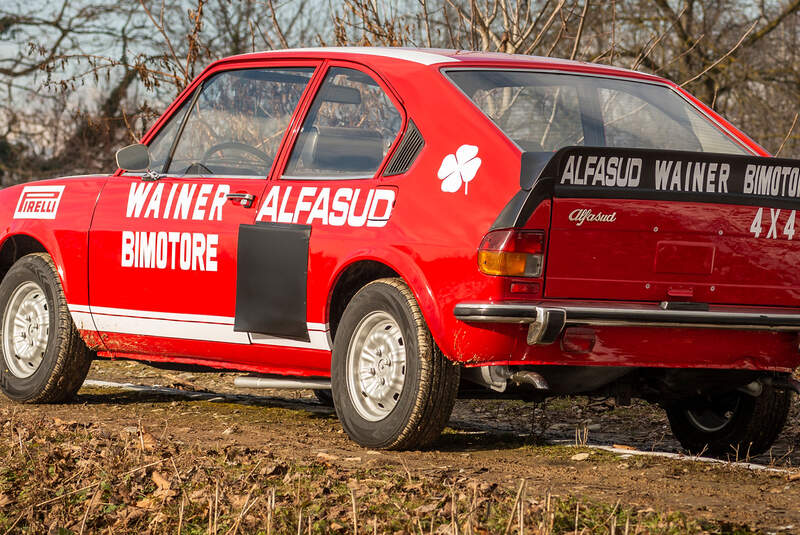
(406, 226)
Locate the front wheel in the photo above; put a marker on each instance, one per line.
(44, 359)
(392, 387)
(731, 425)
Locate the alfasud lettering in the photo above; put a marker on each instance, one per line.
(580, 215)
(607, 171)
(353, 207)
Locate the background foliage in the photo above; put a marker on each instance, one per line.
(81, 78)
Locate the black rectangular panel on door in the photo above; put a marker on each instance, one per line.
(272, 268)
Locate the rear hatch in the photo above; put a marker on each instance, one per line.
(649, 225)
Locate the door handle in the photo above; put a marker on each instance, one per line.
(245, 199)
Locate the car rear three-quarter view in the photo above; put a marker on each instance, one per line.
(402, 227)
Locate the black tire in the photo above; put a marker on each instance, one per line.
(430, 381)
(745, 425)
(65, 359)
(324, 397)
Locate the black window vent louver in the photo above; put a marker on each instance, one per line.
(410, 147)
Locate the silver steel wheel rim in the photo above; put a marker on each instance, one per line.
(376, 366)
(26, 329)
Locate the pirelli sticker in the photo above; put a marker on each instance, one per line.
(38, 202)
(703, 177)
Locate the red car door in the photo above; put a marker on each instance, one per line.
(330, 184)
(163, 253)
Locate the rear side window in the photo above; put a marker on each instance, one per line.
(543, 112)
(237, 122)
(539, 118)
(628, 121)
(350, 127)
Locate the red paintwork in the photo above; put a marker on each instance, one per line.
(668, 348)
(661, 251)
(431, 241)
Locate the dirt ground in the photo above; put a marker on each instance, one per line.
(496, 444)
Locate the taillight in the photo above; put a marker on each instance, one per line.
(512, 253)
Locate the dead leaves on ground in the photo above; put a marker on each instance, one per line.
(58, 475)
(86, 478)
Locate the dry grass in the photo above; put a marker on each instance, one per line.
(64, 477)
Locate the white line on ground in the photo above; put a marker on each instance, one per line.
(690, 458)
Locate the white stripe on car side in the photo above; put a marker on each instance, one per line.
(318, 340)
(225, 320)
(186, 326)
(187, 330)
(83, 320)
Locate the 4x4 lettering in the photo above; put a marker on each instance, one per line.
(756, 227)
(773, 217)
(788, 229)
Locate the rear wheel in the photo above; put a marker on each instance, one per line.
(392, 387)
(731, 425)
(44, 358)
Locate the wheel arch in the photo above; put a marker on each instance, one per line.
(358, 271)
(15, 246)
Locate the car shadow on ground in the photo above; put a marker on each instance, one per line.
(459, 435)
(466, 431)
(144, 395)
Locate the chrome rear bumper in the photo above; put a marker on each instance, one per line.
(546, 321)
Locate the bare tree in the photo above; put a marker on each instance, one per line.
(80, 78)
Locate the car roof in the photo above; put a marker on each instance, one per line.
(376, 56)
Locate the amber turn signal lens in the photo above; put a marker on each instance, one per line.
(502, 263)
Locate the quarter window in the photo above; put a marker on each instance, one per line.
(350, 127)
(162, 143)
(237, 122)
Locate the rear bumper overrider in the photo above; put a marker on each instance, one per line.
(547, 321)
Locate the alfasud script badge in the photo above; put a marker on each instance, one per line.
(582, 215)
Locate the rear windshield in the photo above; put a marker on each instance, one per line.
(543, 112)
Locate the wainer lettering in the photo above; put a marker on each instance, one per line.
(178, 201)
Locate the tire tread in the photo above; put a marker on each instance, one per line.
(438, 378)
(750, 433)
(73, 358)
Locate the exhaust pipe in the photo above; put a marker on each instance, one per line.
(530, 378)
(282, 383)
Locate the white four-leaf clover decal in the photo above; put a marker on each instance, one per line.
(459, 167)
